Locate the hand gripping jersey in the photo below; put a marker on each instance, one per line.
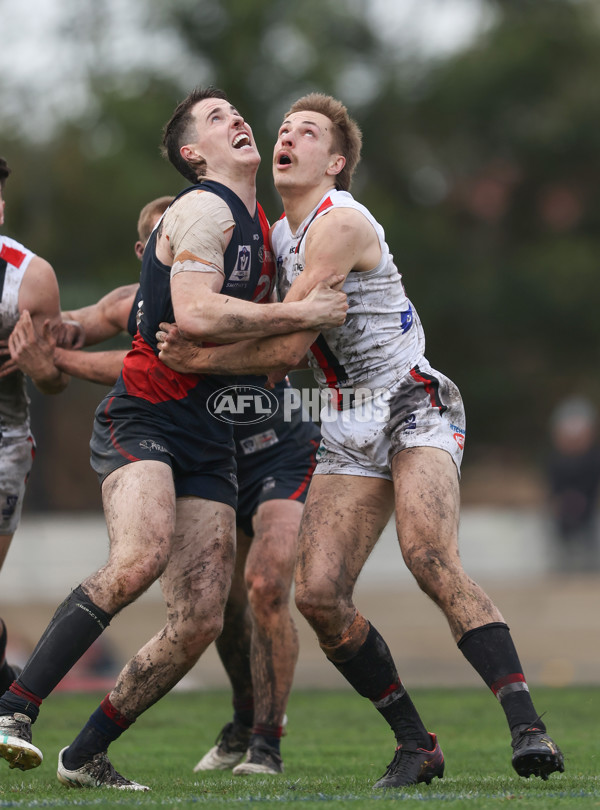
(381, 338)
(14, 402)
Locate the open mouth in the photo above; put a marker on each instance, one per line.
(284, 160)
(241, 140)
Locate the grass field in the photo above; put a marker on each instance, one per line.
(337, 746)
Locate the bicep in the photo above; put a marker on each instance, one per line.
(334, 245)
(39, 292)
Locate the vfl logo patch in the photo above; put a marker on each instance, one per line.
(243, 265)
(406, 320)
(410, 423)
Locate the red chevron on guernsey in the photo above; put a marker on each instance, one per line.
(12, 255)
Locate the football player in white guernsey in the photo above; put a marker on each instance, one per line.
(393, 434)
(29, 306)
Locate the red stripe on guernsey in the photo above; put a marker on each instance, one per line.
(23, 693)
(12, 255)
(266, 281)
(432, 387)
(147, 377)
(114, 442)
(335, 373)
(306, 481)
(516, 677)
(114, 714)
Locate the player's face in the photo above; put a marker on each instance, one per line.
(2, 204)
(303, 154)
(224, 140)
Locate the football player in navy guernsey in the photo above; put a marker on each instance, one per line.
(393, 435)
(29, 308)
(275, 459)
(167, 467)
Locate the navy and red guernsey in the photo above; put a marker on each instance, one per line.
(156, 413)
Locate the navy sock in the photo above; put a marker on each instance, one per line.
(104, 726)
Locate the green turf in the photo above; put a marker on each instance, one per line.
(337, 746)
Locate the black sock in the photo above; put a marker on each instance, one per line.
(104, 726)
(243, 711)
(372, 672)
(491, 652)
(76, 624)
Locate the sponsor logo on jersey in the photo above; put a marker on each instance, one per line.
(459, 436)
(243, 265)
(252, 444)
(242, 404)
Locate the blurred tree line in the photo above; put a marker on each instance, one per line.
(482, 166)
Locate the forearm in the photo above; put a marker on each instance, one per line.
(246, 357)
(99, 367)
(235, 320)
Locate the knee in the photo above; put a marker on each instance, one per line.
(433, 569)
(268, 593)
(318, 603)
(194, 634)
(122, 584)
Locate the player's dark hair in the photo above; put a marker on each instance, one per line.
(4, 171)
(347, 137)
(179, 130)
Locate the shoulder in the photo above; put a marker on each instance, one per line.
(195, 206)
(14, 252)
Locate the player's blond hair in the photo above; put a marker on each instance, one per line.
(149, 213)
(347, 137)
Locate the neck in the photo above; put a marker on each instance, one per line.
(242, 185)
(298, 203)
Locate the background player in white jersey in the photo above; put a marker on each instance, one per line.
(393, 436)
(29, 305)
(258, 645)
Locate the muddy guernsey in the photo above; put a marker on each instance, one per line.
(16, 442)
(154, 413)
(382, 394)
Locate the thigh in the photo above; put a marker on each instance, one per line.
(343, 518)
(198, 575)
(139, 508)
(427, 502)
